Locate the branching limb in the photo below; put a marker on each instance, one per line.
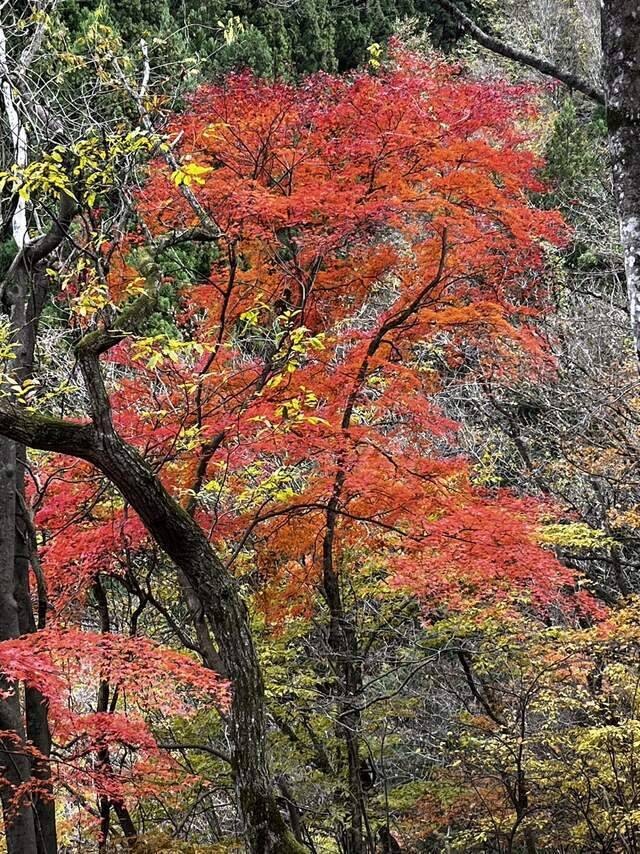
(19, 142)
(202, 748)
(138, 97)
(48, 434)
(94, 344)
(544, 66)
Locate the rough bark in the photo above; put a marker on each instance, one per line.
(15, 766)
(171, 526)
(22, 300)
(175, 531)
(207, 650)
(22, 296)
(24, 293)
(30, 285)
(36, 709)
(621, 57)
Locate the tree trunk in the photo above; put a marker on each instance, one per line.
(15, 765)
(343, 642)
(175, 531)
(621, 57)
(26, 291)
(103, 759)
(36, 709)
(210, 656)
(186, 544)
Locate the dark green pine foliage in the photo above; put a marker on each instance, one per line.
(576, 175)
(131, 18)
(359, 24)
(277, 38)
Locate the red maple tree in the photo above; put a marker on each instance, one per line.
(375, 235)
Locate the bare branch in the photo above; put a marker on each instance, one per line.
(19, 141)
(203, 748)
(544, 66)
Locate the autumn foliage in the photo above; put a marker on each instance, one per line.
(376, 233)
(376, 240)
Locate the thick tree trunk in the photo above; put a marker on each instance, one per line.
(621, 57)
(31, 827)
(26, 291)
(36, 709)
(15, 769)
(15, 765)
(186, 544)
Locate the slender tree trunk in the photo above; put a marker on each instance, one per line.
(210, 656)
(523, 809)
(103, 759)
(621, 57)
(343, 636)
(343, 642)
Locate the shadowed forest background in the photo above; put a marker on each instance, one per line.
(319, 427)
